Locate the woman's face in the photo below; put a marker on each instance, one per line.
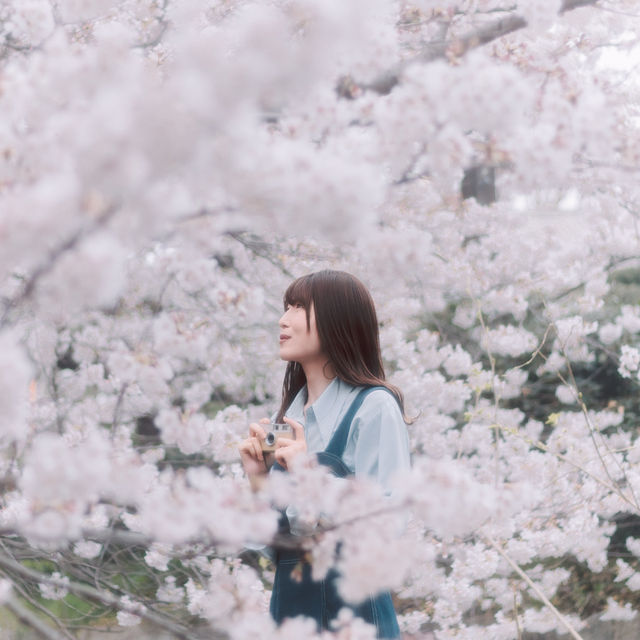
(297, 342)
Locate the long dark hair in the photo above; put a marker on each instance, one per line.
(348, 330)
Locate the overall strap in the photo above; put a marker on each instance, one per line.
(339, 439)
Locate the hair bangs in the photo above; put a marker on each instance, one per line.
(299, 292)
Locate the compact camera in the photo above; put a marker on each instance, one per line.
(275, 431)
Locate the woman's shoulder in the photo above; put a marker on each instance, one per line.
(380, 399)
(379, 419)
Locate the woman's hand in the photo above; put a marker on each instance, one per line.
(252, 455)
(288, 449)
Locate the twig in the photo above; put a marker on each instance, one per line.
(543, 447)
(408, 174)
(573, 385)
(31, 620)
(537, 589)
(592, 433)
(538, 350)
(34, 603)
(515, 614)
(496, 394)
(97, 595)
(118, 408)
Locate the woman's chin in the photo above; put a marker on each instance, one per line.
(288, 357)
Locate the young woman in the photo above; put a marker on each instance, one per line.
(341, 409)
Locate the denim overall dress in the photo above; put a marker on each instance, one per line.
(303, 596)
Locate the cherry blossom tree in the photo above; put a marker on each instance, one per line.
(167, 167)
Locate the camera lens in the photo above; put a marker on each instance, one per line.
(270, 439)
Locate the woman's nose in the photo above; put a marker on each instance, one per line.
(282, 323)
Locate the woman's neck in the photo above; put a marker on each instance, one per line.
(318, 375)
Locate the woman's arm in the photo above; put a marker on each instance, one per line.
(379, 446)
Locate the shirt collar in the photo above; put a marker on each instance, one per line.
(328, 407)
(296, 408)
(325, 410)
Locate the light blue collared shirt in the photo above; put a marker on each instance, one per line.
(378, 443)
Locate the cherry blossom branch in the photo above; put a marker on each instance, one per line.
(592, 433)
(258, 247)
(568, 626)
(456, 47)
(560, 456)
(515, 614)
(409, 174)
(278, 541)
(12, 567)
(496, 394)
(163, 25)
(573, 385)
(52, 259)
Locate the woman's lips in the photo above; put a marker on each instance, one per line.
(283, 337)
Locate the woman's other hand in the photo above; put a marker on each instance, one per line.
(288, 449)
(252, 455)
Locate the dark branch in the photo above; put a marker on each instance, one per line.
(13, 568)
(569, 5)
(456, 47)
(33, 621)
(258, 247)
